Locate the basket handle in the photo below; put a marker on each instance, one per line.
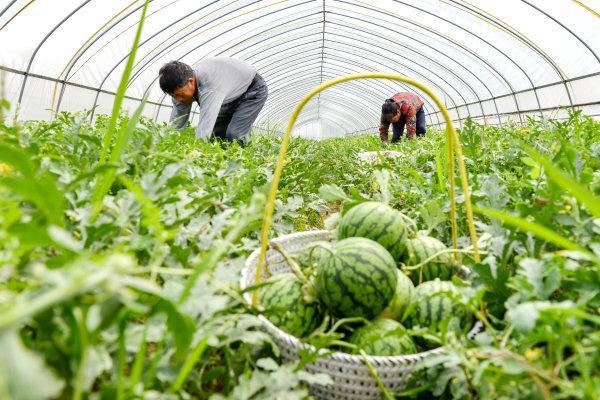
(454, 147)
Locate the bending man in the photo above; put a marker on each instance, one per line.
(229, 92)
(403, 108)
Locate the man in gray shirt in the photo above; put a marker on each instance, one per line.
(229, 92)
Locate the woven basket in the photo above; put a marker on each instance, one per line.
(351, 376)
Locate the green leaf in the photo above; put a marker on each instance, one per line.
(64, 238)
(543, 275)
(533, 227)
(333, 193)
(18, 159)
(180, 325)
(23, 373)
(566, 182)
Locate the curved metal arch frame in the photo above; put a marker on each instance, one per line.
(494, 47)
(41, 43)
(139, 71)
(89, 46)
(493, 99)
(345, 115)
(223, 51)
(456, 107)
(524, 39)
(350, 89)
(296, 86)
(7, 7)
(456, 75)
(228, 48)
(416, 73)
(205, 24)
(405, 66)
(304, 26)
(565, 28)
(379, 83)
(276, 113)
(161, 102)
(518, 110)
(450, 58)
(454, 43)
(286, 61)
(341, 116)
(391, 89)
(335, 108)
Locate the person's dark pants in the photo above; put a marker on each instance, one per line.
(235, 118)
(399, 127)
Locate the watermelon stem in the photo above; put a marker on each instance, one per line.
(290, 261)
(321, 329)
(439, 253)
(412, 230)
(322, 246)
(349, 320)
(387, 395)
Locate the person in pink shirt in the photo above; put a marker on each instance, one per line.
(401, 109)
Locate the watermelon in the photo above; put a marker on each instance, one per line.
(433, 302)
(285, 306)
(383, 337)
(378, 222)
(420, 249)
(401, 299)
(358, 279)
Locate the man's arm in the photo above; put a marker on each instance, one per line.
(210, 105)
(180, 114)
(383, 131)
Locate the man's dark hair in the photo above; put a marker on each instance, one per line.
(173, 75)
(388, 110)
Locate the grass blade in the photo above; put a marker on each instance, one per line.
(104, 182)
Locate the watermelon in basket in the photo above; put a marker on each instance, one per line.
(350, 374)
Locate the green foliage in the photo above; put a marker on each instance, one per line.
(142, 301)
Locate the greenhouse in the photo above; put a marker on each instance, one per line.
(301, 199)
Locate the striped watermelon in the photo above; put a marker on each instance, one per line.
(358, 279)
(420, 249)
(383, 337)
(285, 305)
(433, 302)
(378, 222)
(401, 299)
